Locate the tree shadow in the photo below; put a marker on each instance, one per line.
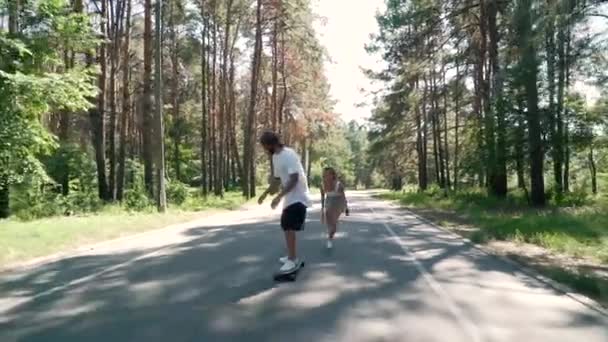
(217, 286)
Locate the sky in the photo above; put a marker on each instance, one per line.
(345, 30)
(344, 33)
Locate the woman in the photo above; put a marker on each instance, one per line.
(333, 202)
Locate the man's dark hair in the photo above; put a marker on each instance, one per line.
(270, 138)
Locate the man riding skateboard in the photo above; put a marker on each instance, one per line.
(294, 193)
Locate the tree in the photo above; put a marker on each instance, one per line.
(126, 104)
(161, 199)
(528, 66)
(249, 145)
(31, 88)
(146, 99)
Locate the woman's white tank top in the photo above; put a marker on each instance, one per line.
(335, 192)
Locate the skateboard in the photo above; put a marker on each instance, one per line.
(291, 276)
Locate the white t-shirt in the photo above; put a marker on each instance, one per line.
(287, 162)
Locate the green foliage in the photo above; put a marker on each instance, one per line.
(573, 231)
(70, 158)
(34, 199)
(333, 150)
(577, 198)
(135, 197)
(34, 82)
(136, 200)
(37, 198)
(177, 193)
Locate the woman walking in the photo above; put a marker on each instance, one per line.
(333, 202)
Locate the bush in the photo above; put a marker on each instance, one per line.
(36, 198)
(177, 192)
(576, 198)
(81, 202)
(135, 197)
(136, 200)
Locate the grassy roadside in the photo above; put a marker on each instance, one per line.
(21, 240)
(569, 245)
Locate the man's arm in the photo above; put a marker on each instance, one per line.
(291, 184)
(273, 188)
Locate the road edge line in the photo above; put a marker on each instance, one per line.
(526, 270)
(463, 320)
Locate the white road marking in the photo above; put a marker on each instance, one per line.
(463, 320)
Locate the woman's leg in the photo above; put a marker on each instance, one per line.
(332, 222)
(328, 221)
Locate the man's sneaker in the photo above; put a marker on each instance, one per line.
(283, 259)
(288, 266)
(330, 244)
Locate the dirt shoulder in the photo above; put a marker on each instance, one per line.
(582, 275)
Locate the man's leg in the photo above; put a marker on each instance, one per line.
(290, 240)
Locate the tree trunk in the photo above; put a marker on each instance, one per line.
(558, 147)
(64, 134)
(204, 102)
(97, 118)
(284, 81)
(126, 102)
(566, 132)
(147, 101)
(485, 103)
(478, 111)
(232, 124)
(446, 149)
(554, 115)
(425, 133)
(593, 171)
(14, 10)
(214, 108)
(161, 199)
(496, 106)
(275, 66)
(430, 114)
(456, 124)
(520, 140)
(175, 97)
(210, 109)
(113, 35)
(249, 147)
(309, 161)
(529, 67)
(437, 140)
(223, 111)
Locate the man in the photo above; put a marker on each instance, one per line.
(294, 194)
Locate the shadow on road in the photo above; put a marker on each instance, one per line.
(217, 286)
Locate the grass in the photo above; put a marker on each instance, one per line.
(26, 240)
(579, 232)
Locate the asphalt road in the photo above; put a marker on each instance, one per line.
(390, 277)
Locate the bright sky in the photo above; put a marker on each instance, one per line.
(344, 34)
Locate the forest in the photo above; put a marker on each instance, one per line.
(142, 103)
(492, 121)
(493, 94)
(119, 116)
(150, 103)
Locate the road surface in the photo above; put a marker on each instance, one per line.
(390, 277)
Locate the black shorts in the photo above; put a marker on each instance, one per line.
(293, 217)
